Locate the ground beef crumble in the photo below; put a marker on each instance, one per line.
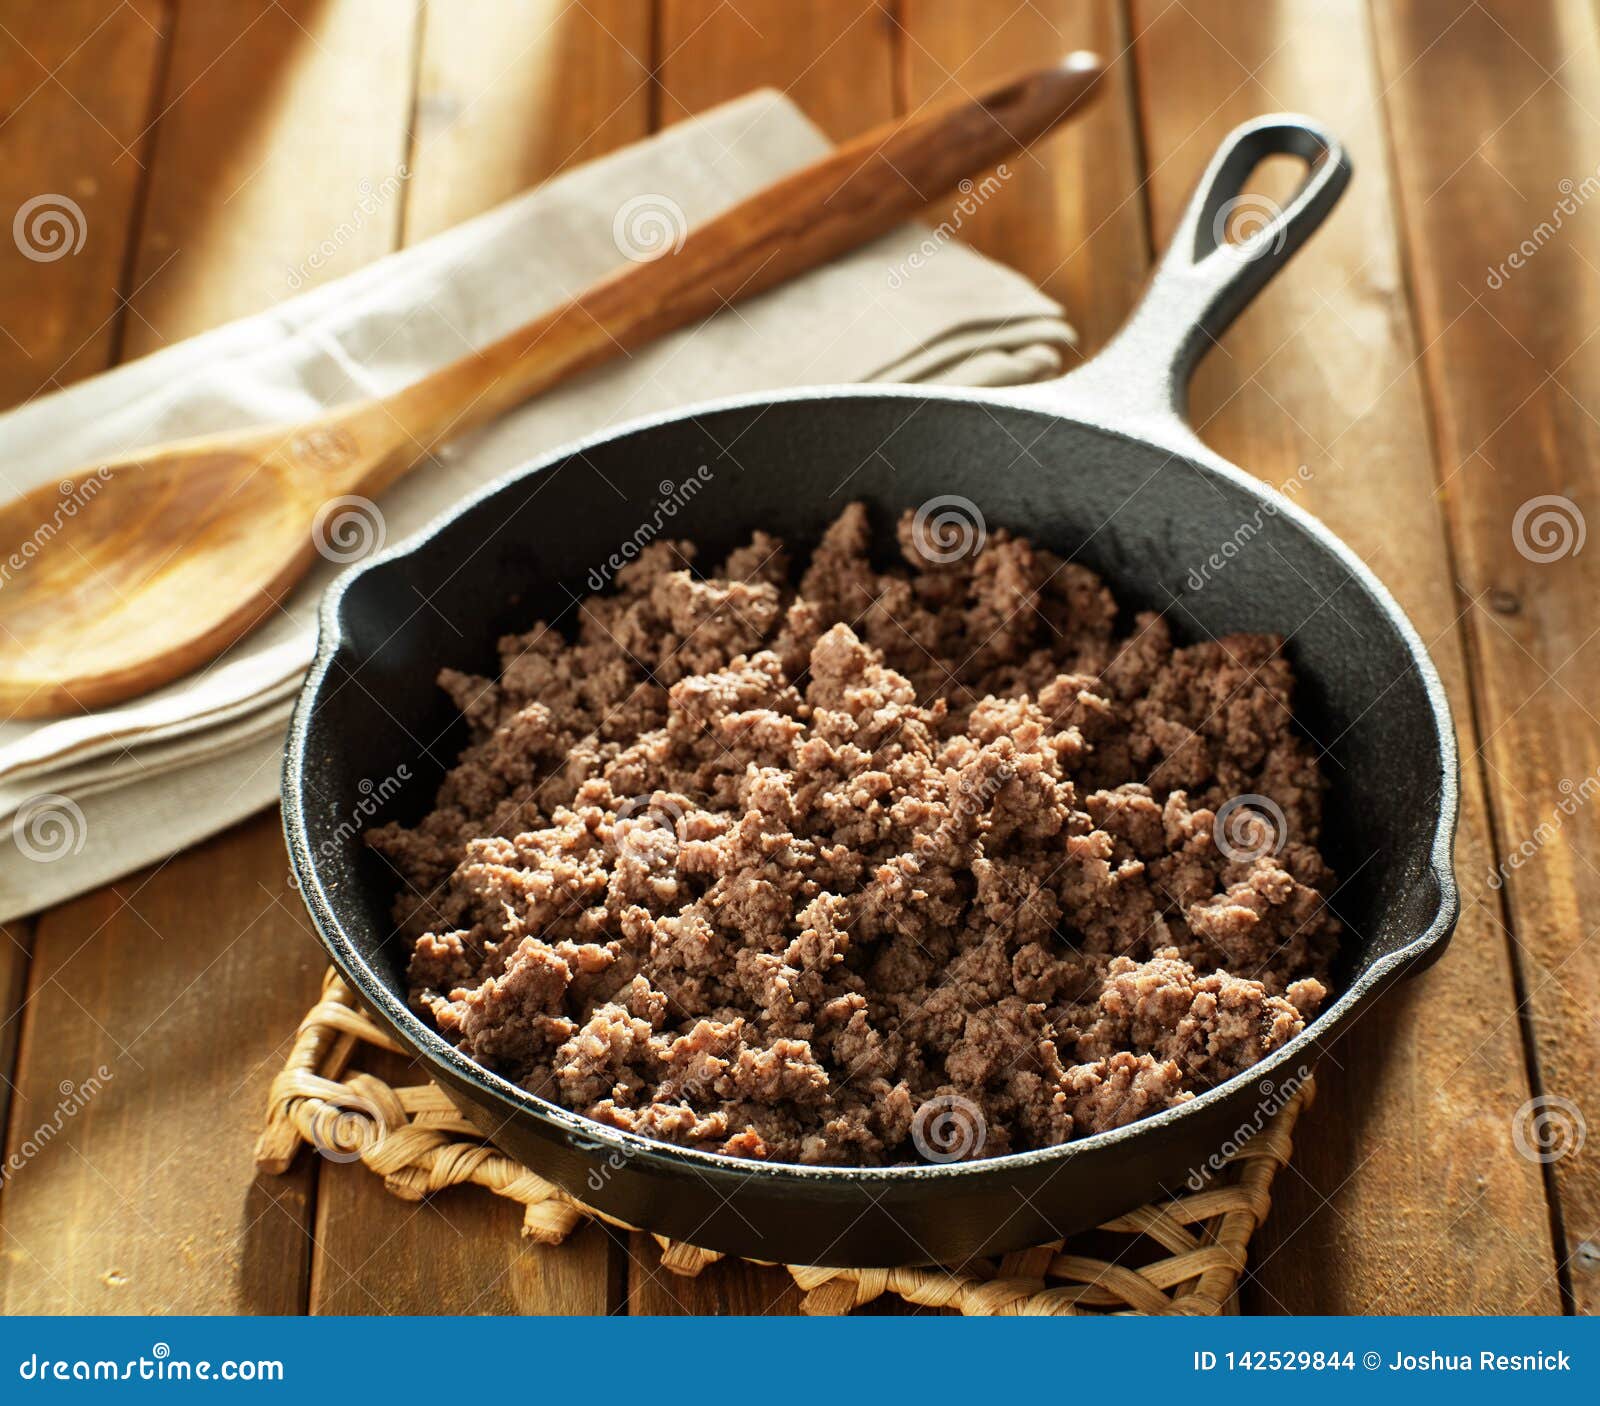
(772, 867)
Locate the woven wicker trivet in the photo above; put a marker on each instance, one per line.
(1181, 1257)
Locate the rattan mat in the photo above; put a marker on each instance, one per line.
(1183, 1256)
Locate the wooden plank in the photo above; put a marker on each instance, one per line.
(76, 91)
(77, 83)
(459, 1253)
(1503, 251)
(728, 1287)
(512, 91)
(833, 58)
(1071, 215)
(76, 88)
(16, 951)
(1406, 1194)
(186, 981)
(159, 1009)
(538, 85)
(283, 127)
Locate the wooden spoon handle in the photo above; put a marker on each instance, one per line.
(846, 198)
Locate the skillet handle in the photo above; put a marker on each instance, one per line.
(1140, 380)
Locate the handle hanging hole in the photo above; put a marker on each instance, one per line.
(1253, 218)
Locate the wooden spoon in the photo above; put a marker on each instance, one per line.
(126, 575)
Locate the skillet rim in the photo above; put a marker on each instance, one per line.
(588, 1137)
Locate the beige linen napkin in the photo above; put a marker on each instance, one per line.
(88, 799)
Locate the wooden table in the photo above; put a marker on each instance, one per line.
(1430, 388)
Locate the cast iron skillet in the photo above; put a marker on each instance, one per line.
(1099, 466)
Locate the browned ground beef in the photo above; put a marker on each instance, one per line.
(814, 872)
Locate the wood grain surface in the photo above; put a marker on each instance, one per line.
(1430, 388)
(63, 318)
(1322, 372)
(1513, 370)
(835, 58)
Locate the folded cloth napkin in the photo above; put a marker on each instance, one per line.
(90, 798)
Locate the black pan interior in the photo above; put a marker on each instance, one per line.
(1144, 519)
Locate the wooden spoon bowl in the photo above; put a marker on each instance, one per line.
(133, 573)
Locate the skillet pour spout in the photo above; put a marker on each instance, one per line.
(1111, 475)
